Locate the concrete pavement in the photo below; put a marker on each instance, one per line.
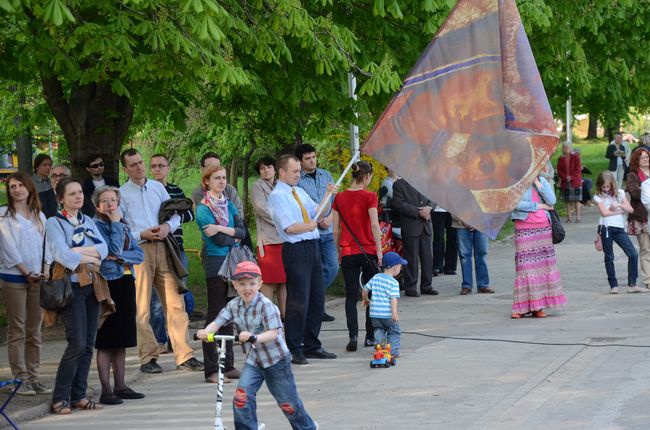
(585, 366)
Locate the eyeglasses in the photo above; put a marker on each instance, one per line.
(59, 175)
(107, 201)
(96, 165)
(159, 166)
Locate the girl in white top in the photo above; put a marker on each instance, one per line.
(22, 232)
(613, 206)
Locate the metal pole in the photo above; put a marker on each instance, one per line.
(569, 117)
(354, 128)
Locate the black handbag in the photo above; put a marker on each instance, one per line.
(373, 263)
(55, 294)
(556, 226)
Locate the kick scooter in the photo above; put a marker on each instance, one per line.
(218, 422)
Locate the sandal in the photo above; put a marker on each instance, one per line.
(61, 408)
(90, 405)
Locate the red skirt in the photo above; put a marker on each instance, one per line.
(271, 264)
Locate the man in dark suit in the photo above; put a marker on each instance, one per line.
(415, 213)
(49, 203)
(95, 166)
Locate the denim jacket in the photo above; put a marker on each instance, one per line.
(527, 205)
(114, 234)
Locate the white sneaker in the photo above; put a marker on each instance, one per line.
(26, 389)
(635, 289)
(613, 290)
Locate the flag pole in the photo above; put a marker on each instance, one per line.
(355, 157)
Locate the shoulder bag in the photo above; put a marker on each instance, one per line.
(371, 262)
(55, 294)
(237, 254)
(557, 229)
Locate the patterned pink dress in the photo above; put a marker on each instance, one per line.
(537, 282)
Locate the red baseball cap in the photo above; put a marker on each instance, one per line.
(247, 269)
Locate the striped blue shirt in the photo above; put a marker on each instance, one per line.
(384, 288)
(260, 316)
(316, 189)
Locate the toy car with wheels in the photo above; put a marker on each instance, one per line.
(382, 357)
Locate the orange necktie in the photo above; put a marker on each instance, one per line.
(305, 215)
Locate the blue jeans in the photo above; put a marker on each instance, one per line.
(473, 243)
(282, 386)
(608, 236)
(156, 313)
(80, 319)
(387, 331)
(329, 259)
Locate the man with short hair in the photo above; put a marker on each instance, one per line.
(49, 203)
(95, 167)
(159, 164)
(41, 176)
(292, 211)
(415, 214)
(140, 203)
(314, 181)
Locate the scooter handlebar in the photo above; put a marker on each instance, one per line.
(215, 337)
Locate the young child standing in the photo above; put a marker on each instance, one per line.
(383, 306)
(268, 358)
(612, 205)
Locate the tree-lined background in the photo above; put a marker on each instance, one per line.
(250, 77)
(247, 78)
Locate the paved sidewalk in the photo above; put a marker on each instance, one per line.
(585, 366)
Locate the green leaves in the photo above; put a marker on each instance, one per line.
(55, 11)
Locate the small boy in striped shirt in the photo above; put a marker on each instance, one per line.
(268, 357)
(383, 305)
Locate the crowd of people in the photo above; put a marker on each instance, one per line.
(122, 248)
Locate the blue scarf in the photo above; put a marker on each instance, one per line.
(80, 230)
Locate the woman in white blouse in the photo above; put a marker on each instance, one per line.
(22, 232)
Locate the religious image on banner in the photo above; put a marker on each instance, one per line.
(471, 127)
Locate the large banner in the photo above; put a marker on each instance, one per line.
(471, 127)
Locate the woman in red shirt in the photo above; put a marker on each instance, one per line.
(569, 173)
(358, 239)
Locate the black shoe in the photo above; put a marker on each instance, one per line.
(128, 394)
(192, 364)
(450, 272)
(151, 367)
(298, 358)
(327, 318)
(436, 273)
(110, 399)
(412, 293)
(320, 353)
(352, 344)
(369, 342)
(430, 292)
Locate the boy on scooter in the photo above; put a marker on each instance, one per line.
(268, 359)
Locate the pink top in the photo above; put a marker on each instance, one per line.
(537, 219)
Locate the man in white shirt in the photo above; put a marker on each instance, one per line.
(140, 202)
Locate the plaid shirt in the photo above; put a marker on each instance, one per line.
(260, 316)
(317, 188)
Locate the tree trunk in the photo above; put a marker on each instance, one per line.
(245, 168)
(232, 173)
(23, 139)
(93, 119)
(592, 130)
